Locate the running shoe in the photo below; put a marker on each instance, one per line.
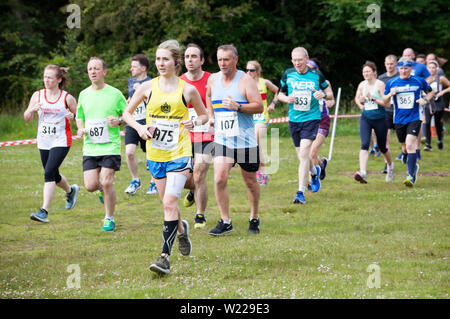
(189, 199)
(323, 173)
(71, 198)
(258, 177)
(109, 225)
(440, 145)
(299, 198)
(385, 169)
(399, 157)
(135, 184)
(184, 244)
(411, 180)
(200, 221)
(253, 227)
(315, 181)
(100, 195)
(360, 177)
(377, 151)
(152, 189)
(428, 148)
(40, 216)
(372, 152)
(264, 179)
(390, 174)
(221, 229)
(161, 266)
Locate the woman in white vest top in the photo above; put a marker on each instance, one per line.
(54, 108)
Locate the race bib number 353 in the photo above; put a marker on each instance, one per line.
(302, 100)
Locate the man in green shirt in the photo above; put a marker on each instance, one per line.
(98, 120)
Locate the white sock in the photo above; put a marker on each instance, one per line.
(313, 170)
(111, 218)
(302, 189)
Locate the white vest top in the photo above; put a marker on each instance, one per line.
(53, 126)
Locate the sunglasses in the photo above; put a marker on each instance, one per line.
(251, 70)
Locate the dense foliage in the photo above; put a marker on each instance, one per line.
(334, 31)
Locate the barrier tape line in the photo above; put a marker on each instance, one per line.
(277, 120)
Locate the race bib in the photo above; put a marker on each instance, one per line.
(227, 124)
(370, 105)
(48, 130)
(166, 134)
(97, 130)
(259, 117)
(199, 128)
(139, 112)
(405, 100)
(302, 100)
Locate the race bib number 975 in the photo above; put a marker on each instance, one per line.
(166, 134)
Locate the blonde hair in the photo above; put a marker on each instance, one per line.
(61, 73)
(257, 67)
(175, 49)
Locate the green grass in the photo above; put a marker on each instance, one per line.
(318, 250)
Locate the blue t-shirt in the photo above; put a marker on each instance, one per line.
(406, 109)
(139, 113)
(306, 107)
(132, 81)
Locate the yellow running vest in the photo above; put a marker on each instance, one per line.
(165, 111)
(264, 116)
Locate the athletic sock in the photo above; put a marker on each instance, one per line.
(111, 218)
(302, 189)
(169, 231)
(411, 162)
(363, 173)
(313, 171)
(227, 222)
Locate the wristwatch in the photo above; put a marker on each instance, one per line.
(239, 106)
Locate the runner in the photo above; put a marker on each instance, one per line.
(262, 119)
(390, 63)
(324, 128)
(302, 88)
(406, 93)
(418, 70)
(139, 66)
(202, 140)
(369, 99)
(435, 108)
(54, 108)
(98, 120)
(169, 149)
(232, 97)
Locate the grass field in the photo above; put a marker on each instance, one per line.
(319, 250)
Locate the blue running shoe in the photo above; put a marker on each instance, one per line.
(315, 180)
(71, 198)
(411, 180)
(152, 189)
(399, 157)
(299, 198)
(135, 184)
(40, 216)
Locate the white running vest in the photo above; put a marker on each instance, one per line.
(53, 126)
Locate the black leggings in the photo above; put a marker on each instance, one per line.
(438, 123)
(365, 132)
(51, 161)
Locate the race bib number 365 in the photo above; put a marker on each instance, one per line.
(97, 130)
(405, 100)
(166, 134)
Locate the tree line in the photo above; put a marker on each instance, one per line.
(339, 33)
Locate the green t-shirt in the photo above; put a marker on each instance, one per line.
(93, 108)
